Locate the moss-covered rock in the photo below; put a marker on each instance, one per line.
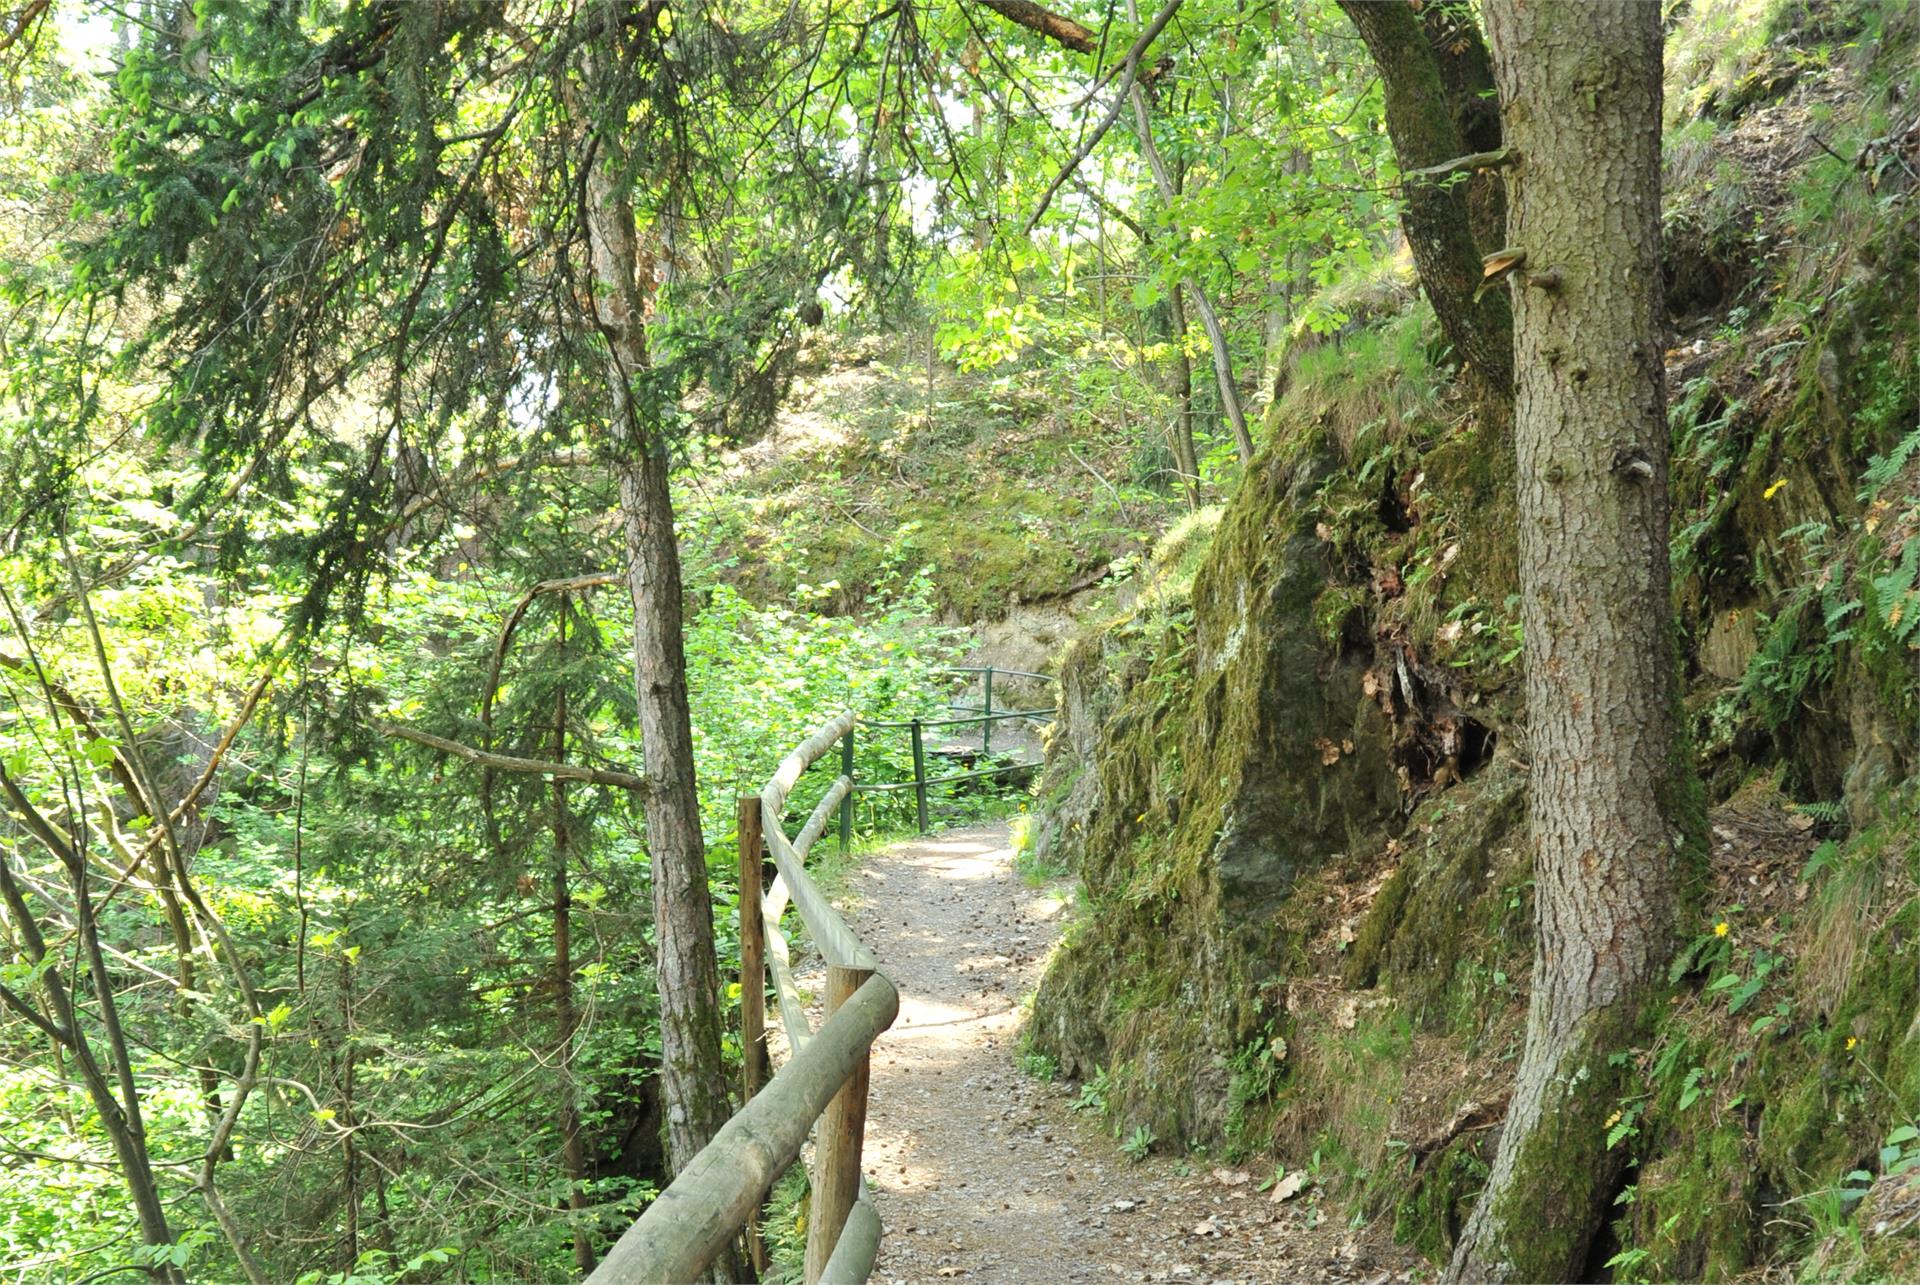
(1235, 760)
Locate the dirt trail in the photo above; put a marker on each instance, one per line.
(981, 1173)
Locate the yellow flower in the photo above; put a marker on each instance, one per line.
(1851, 1041)
(1722, 928)
(1773, 490)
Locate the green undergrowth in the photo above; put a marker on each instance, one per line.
(1760, 1111)
(783, 1226)
(1796, 538)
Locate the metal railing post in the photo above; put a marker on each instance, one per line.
(846, 804)
(920, 775)
(986, 728)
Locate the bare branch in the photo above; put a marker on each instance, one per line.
(511, 763)
(1209, 320)
(57, 1033)
(1497, 159)
(1129, 85)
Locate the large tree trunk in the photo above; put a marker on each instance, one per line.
(1466, 74)
(1425, 107)
(691, 1070)
(1580, 91)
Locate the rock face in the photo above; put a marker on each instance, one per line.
(1213, 749)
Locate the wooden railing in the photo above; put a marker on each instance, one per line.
(718, 1195)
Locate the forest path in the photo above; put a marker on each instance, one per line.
(981, 1173)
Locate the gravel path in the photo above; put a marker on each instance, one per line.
(981, 1173)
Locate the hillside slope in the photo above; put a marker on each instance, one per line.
(1293, 783)
(1003, 488)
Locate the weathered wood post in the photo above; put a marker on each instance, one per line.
(753, 948)
(836, 1148)
(920, 775)
(846, 804)
(753, 984)
(986, 728)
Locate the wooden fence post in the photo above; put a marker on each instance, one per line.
(920, 775)
(836, 1148)
(753, 947)
(753, 985)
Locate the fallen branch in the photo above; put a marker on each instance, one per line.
(511, 763)
(1472, 1117)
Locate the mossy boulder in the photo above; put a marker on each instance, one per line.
(1237, 756)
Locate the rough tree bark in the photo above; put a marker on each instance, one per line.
(1424, 124)
(692, 1074)
(1580, 92)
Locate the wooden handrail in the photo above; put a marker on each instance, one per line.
(718, 1194)
(858, 1246)
(822, 816)
(689, 1223)
(775, 904)
(793, 1012)
(829, 932)
(837, 1146)
(800, 759)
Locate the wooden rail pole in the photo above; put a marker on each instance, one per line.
(836, 1148)
(693, 1220)
(920, 775)
(755, 1062)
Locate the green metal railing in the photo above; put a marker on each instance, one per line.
(984, 714)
